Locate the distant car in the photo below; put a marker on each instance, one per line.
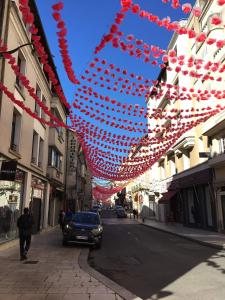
(120, 212)
(96, 208)
(83, 228)
(118, 207)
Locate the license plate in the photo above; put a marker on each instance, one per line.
(81, 237)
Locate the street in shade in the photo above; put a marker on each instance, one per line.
(157, 265)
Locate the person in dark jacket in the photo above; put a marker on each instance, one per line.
(25, 223)
(61, 220)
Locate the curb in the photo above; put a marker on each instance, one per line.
(121, 291)
(208, 244)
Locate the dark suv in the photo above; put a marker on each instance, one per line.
(83, 228)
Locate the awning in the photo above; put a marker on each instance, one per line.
(166, 197)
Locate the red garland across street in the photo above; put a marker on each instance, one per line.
(113, 155)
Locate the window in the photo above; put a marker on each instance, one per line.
(37, 107)
(21, 64)
(15, 133)
(34, 158)
(186, 160)
(55, 158)
(222, 145)
(42, 111)
(41, 151)
(60, 132)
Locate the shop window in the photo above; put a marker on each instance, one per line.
(34, 158)
(15, 133)
(11, 201)
(22, 65)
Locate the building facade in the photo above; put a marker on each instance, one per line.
(189, 179)
(37, 150)
(78, 176)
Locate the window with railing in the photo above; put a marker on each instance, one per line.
(40, 153)
(55, 158)
(38, 94)
(15, 131)
(21, 63)
(34, 157)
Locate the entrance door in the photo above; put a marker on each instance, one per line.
(223, 209)
(36, 210)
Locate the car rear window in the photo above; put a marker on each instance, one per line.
(86, 219)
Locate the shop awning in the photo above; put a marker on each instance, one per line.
(167, 196)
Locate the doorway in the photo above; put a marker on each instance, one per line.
(36, 210)
(223, 209)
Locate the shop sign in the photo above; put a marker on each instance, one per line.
(37, 183)
(13, 199)
(8, 170)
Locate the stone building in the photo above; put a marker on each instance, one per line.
(78, 177)
(189, 178)
(37, 150)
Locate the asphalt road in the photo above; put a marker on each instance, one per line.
(153, 264)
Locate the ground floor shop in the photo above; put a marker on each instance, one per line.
(56, 203)
(24, 189)
(11, 203)
(190, 200)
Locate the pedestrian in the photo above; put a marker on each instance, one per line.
(25, 223)
(134, 213)
(61, 219)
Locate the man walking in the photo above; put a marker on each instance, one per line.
(25, 223)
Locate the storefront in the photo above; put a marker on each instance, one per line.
(11, 203)
(193, 204)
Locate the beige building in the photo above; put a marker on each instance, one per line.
(78, 176)
(188, 180)
(38, 150)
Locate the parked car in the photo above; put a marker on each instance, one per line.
(120, 212)
(83, 228)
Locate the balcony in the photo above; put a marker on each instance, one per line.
(214, 124)
(186, 142)
(55, 140)
(55, 174)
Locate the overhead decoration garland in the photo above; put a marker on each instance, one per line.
(142, 134)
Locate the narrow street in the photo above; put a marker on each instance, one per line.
(155, 265)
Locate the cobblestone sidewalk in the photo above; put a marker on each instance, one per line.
(52, 272)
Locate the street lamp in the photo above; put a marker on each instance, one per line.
(14, 50)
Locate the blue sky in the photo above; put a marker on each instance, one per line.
(87, 21)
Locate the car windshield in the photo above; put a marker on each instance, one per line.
(86, 218)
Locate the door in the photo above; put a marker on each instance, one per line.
(36, 210)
